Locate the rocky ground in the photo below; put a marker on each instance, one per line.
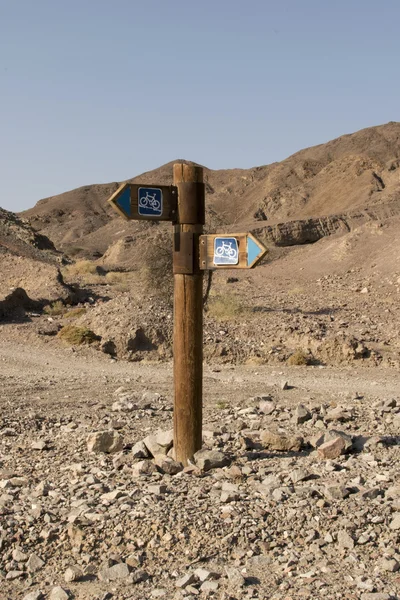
(298, 496)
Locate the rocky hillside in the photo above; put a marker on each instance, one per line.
(30, 261)
(317, 191)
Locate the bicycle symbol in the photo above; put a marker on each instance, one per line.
(150, 201)
(226, 250)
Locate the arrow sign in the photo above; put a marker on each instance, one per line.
(230, 251)
(145, 202)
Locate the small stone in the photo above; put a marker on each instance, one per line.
(139, 575)
(190, 589)
(37, 595)
(301, 415)
(281, 443)
(58, 593)
(19, 556)
(18, 481)
(299, 475)
(11, 575)
(158, 593)
(40, 445)
(284, 385)
(157, 490)
(114, 573)
(73, 574)
(160, 443)
(124, 405)
(205, 575)
(114, 495)
(104, 441)
(209, 586)
(139, 450)
(332, 434)
(42, 489)
(390, 565)
(229, 497)
(35, 563)
(395, 523)
(186, 580)
(371, 494)
(345, 540)
(235, 578)
(168, 465)
(210, 459)
(336, 492)
(332, 449)
(143, 467)
(266, 407)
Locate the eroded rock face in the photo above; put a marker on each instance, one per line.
(294, 233)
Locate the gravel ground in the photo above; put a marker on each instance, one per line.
(285, 517)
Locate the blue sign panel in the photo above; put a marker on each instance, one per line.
(124, 201)
(253, 251)
(150, 202)
(226, 251)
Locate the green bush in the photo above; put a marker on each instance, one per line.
(71, 334)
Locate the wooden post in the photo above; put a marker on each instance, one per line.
(188, 312)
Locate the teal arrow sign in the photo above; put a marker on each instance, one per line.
(255, 251)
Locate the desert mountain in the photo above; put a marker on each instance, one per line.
(313, 193)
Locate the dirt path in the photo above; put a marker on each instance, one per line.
(20, 362)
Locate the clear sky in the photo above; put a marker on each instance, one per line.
(102, 90)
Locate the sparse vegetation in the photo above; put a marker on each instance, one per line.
(116, 277)
(74, 313)
(299, 358)
(224, 308)
(55, 309)
(74, 251)
(82, 267)
(156, 274)
(71, 334)
(122, 287)
(221, 404)
(296, 291)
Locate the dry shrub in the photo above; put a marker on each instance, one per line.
(71, 334)
(299, 358)
(74, 313)
(74, 251)
(224, 308)
(55, 308)
(156, 273)
(116, 277)
(82, 267)
(122, 287)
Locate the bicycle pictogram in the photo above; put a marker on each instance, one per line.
(150, 202)
(226, 250)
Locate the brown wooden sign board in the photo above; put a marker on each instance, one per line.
(142, 202)
(230, 251)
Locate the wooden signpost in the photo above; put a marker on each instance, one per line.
(183, 204)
